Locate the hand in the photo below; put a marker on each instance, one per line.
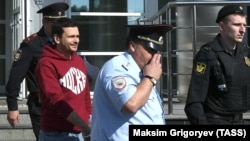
(13, 117)
(86, 134)
(86, 138)
(154, 67)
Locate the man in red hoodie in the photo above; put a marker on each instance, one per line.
(63, 86)
(23, 66)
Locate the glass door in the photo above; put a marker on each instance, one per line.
(4, 43)
(15, 32)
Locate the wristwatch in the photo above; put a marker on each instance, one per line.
(152, 79)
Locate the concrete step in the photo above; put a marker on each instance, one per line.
(20, 134)
(23, 131)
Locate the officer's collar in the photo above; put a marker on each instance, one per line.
(221, 46)
(48, 36)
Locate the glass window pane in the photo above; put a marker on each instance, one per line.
(104, 33)
(2, 71)
(135, 6)
(79, 5)
(107, 6)
(2, 10)
(2, 39)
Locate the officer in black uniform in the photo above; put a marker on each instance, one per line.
(219, 90)
(25, 61)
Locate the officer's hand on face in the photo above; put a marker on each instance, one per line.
(154, 67)
(13, 117)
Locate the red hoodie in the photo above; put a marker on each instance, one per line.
(63, 88)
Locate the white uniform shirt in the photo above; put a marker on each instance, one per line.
(115, 85)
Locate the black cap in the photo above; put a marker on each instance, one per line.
(151, 34)
(228, 10)
(54, 10)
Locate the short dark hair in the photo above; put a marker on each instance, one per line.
(59, 24)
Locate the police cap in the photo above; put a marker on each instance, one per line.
(54, 10)
(228, 10)
(152, 35)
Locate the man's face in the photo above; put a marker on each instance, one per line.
(233, 28)
(69, 40)
(47, 23)
(142, 54)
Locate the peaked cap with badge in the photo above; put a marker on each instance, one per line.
(228, 10)
(152, 35)
(54, 10)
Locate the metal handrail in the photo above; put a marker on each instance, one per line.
(87, 53)
(191, 3)
(167, 9)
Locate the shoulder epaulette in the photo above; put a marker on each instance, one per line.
(30, 38)
(206, 47)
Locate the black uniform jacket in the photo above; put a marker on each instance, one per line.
(203, 94)
(25, 61)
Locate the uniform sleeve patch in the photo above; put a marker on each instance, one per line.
(247, 61)
(18, 55)
(200, 68)
(119, 82)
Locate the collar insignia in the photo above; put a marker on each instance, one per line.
(126, 65)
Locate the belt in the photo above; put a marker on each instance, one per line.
(66, 132)
(230, 117)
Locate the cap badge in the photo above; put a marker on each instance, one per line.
(240, 7)
(160, 42)
(200, 68)
(59, 13)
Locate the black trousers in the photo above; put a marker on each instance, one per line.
(219, 121)
(34, 108)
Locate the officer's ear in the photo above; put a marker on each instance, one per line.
(56, 38)
(221, 26)
(132, 46)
